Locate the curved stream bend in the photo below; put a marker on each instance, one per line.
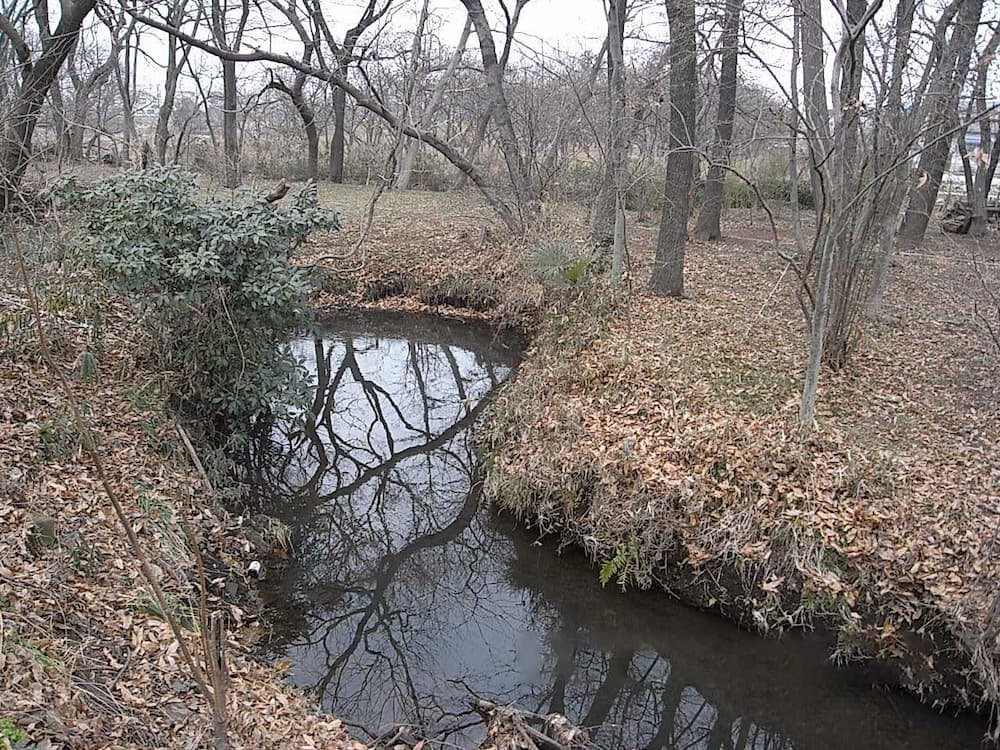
(404, 596)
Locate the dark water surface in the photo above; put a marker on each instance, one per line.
(405, 596)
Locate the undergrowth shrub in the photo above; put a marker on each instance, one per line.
(213, 282)
(562, 266)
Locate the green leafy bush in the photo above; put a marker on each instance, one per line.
(214, 283)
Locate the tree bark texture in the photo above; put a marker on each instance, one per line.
(710, 216)
(668, 265)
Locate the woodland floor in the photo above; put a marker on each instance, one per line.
(661, 434)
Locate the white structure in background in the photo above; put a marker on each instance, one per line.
(953, 181)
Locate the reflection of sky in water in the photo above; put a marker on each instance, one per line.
(403, 595)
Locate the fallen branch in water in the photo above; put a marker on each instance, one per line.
(509, 728)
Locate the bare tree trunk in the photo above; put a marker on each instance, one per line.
(161, 138)
(984, 154)
(230, 91)
(793, 138)
(525, 195)
(427, 116)
(896, 132)
(604, 215)
(668, 266)
(337, 142)
(83, 91)
(478, 138)
(296, 93)
(946, 90)
(814, 95)
(710, 216)
(60, 122)
(833, 232)
(126, 80)
(230, 124)
(37, 78)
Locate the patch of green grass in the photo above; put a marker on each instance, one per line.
(11, 732)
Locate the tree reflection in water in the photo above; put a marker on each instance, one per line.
(403, 595)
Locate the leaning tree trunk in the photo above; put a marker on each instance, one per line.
(405, 176)
(15, 151)
(295, 92)
(668, 265)
(710, 216)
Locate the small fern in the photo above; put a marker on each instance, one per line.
(624, 567)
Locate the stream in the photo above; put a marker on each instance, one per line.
(405, 595)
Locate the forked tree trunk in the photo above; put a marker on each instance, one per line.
(296, 93)
(405, 177)
(161, 138)
(710, 216)
(524, 194)
(668, 266)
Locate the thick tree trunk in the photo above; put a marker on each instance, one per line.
(603, 216)
(668, 266)
(814, 95)
(710, 216)
(946, 90)
(37, 79)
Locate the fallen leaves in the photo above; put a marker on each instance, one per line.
(84, 660)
